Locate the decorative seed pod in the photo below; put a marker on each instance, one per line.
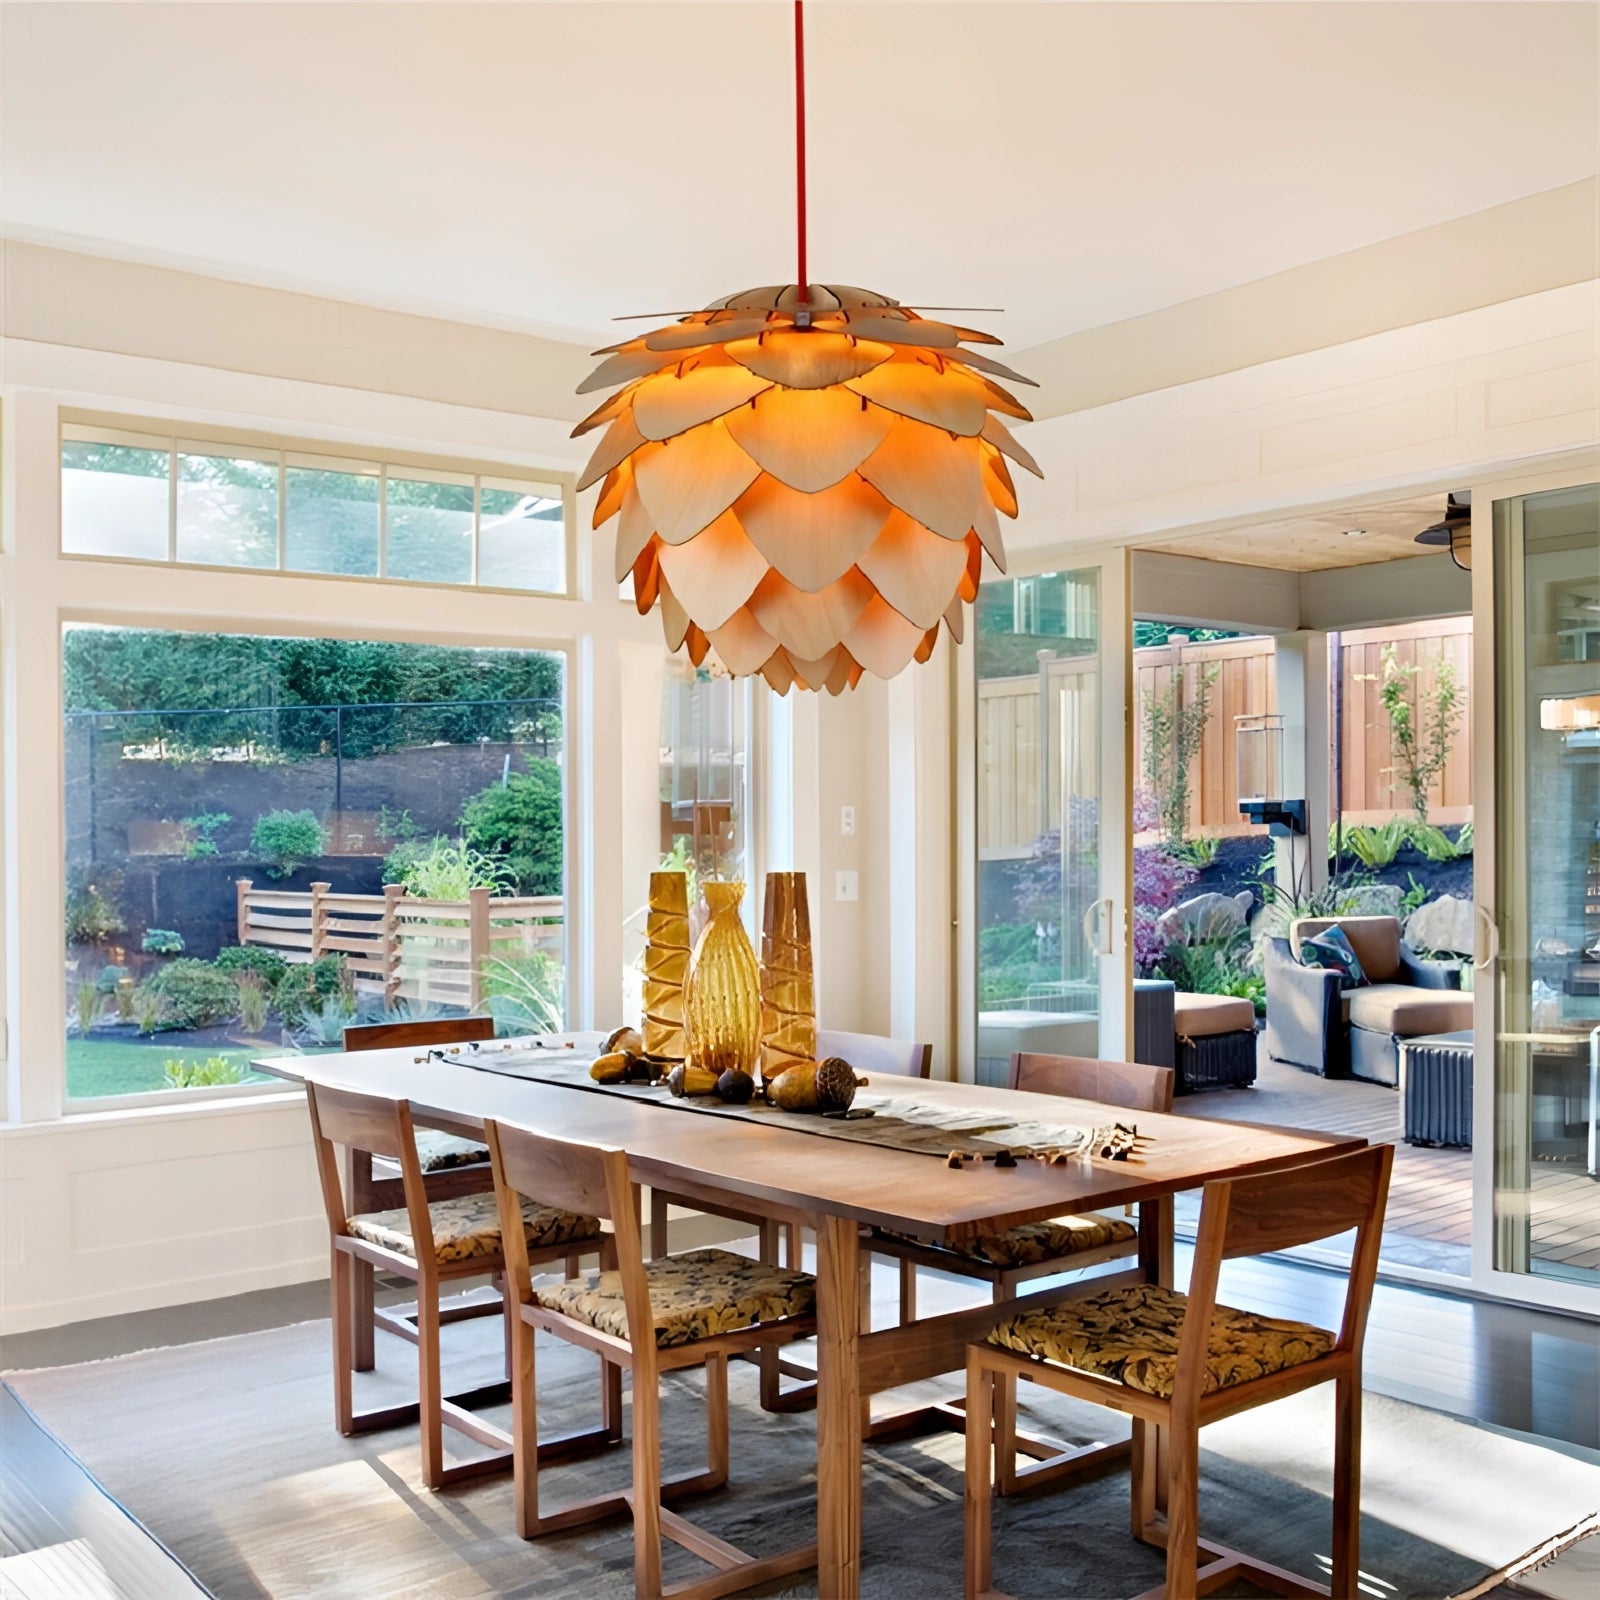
(687, 1080)
(625, 1038)
(735, 1088)
(815, 1086)
(610, 1068)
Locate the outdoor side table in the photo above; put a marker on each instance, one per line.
(1436, 1081)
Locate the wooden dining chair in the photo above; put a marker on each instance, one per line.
(1175, 1362)
(430, 1242)
(1040, 1249)
(685, 1311)
(869, 1053)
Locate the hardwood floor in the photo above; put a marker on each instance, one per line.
(1429, 1222)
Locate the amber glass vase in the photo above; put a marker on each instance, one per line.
(788, 1004)
(722, 1002)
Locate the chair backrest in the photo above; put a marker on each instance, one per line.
(1114, 1083)
(1277, 1211)
(388, 1035)
(371, 1125)
(1375, 940)
(869, 1053)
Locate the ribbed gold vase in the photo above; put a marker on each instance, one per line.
(788, 1003)
(722, 1001)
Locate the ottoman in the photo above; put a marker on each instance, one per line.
(1436, 1082)
(1216, 1039)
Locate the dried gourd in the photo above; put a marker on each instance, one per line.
(686, 1080)
(815, 1086)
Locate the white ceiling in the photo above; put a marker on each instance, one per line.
(552, 165)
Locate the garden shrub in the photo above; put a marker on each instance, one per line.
(519, 823)
(92, 916)
(252, 1000)
(1421, 727)
(305, 987)
(194, 994)
(200, 831)
(1174, 729)
(524, 993)
(324, 1018)
(1376, 847)
(109, 978)
(88, 1002)
(285, 840)
(268, 965)
(1432, 841)
(207, 1074)
(161, 942)
(444, 869)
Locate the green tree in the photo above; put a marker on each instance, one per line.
(1175, 724)
(519, 823)
(1422, 726)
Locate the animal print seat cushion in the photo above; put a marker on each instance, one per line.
(696, 1295)
(437, 1152)
(1131, 1335)
(1033, 1242)
(469, 1226)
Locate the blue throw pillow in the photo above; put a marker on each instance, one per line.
(1332, 950)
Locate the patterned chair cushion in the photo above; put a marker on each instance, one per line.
(437, 1152)
(696, 1295)
(1033, 1242)
(469, 1226)
(1131, 1336)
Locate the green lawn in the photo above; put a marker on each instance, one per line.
(98, 1067)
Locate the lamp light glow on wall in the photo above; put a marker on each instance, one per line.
(806, 477)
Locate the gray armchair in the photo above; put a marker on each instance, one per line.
(1314, 1025)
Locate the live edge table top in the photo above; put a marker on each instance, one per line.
(795, 1172)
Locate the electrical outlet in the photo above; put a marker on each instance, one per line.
(846, 886)
(847, 820)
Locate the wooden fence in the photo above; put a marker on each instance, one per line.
(1015, 716)
(425, 950)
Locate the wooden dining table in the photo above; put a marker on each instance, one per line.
(837, 1187)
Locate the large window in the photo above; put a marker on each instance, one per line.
(142, 497)
(268, 839)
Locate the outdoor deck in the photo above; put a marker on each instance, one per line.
(1430, 1200)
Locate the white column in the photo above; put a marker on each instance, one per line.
(1300, 666)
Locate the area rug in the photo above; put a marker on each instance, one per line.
(226, 1451)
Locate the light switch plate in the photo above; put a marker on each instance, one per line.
(846, 886)
(847, 820)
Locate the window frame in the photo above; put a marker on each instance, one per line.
(178, 438)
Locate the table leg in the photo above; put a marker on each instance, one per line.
(838, 1409)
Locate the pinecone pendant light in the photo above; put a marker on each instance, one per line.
(806, 476)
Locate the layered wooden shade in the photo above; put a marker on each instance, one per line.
(808, 489)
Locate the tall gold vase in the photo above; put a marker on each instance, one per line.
(666, 966)
(722, 1002)
(788, 1000)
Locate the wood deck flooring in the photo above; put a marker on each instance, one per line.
(1429, 1221)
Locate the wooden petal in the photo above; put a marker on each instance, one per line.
(808, 359)
(930, 476)
(778, 673)
(646, 578)
(812, 539)
(674, 619)
(882, 641)
(627, 366)
(950, 399)
(853, 299)
(764, 299)
(714, 573)
(987, 527)
(687, 484)
(997, 480)
(819, 297)
(998, 400)
(687, 335)
(696, 643)
(634, 532)
(955, 620)
(621, 440)
(809, 625)
(971, 358)
(925, 649)
(914, 569)
(905, 330)
(978, 336)
(667, 405)
(846, 674)
(974, 573)
(813, 674)
(612, 493)
(603, 412)
(743, 646)
(999, 435)
(809, 438)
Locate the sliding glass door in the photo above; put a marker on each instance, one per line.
(1542, 928)
(1050, 891)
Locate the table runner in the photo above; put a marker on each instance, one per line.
(899, 1121)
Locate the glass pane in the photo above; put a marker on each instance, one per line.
(114, 500)
(522, 538)
(228, 510)
(194, 760)
(1547, 595)
(331, 520)
(429, 529)
(1038, 812)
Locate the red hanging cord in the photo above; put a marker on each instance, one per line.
(800, 148)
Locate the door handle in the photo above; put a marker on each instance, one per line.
(1491, 942)
(1097, 929)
